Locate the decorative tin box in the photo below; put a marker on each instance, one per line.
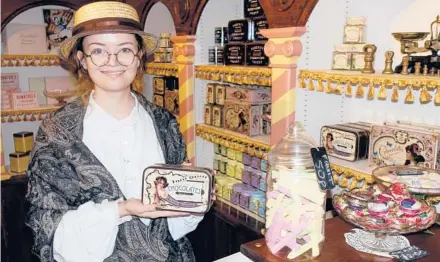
(159, 85)
(241, 30)
(397, 145)
(220, 94)
(210, 93)
(354, 30)
(235, 54)
(217, 116)
(23, 141)
(244, 118)
(252, 8)
(346, 143)
(24, 39)
(358, 57)
(158, 100)
(249, 95)
(172, 101)
(178, 188)
(342, 57)
(255, 55)
(208, 114)
(221, 35)
(260, 23)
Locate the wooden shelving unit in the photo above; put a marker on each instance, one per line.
(23, 115)
(163, 69)
(30, 60)
(240, 75)
(351, 83)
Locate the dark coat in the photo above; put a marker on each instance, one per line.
(64, 174)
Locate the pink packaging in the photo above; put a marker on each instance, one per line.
(397, 145)
(25, 39)
(10, 81)
(248, 94)
(7, 97)
(24, 100)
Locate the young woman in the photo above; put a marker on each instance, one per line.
(85, 174)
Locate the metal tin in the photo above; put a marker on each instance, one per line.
(227, 188)
(260, 23)
(247, 174)
(237, 189)
(239, 170)
(217, 116)
(263, 165)
(346, 143)
(219, 55)
(255, 55)
(208, 114)
(158, 100)
(216, 164)
(252, 8)
(172, 101)
(235, 54)
(258, 198)
(247, 159)
(255, 178)
(231, 154)
(239, 156)
(230, 168)
(210, 93)
(241, 30)
(19, 162)
(252, 95)
(178, 188)
(220, 94)
(223, 151)
(216, 148)
(211, 55)
(159, 85)
(23, 141)
(221, 34)
(223, 164)
(256, 162)
(245, 197)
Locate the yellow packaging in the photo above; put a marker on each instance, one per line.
(19, 162)
(23, 142)
(230, 168)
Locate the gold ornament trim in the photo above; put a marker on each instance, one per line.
(26, 115)
(233, 140)
(350, 178)
(30, 60)
(413, 84)
(241, 75)
(163, 69)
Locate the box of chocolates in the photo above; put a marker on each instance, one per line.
(210, 93)
(207, 115)
(217, 116)
(220, 94)
(178, 188)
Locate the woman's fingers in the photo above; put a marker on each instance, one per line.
(163, 213)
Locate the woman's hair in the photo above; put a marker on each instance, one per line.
(83, 82)
(159, 179)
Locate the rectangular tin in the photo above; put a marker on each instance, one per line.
(241, 30)
(235, 54)
(208, 115)
(255, 55)
(346, 143)
(251, 95)
(178, 188)
(252, 8)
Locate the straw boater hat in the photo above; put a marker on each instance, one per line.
(106, 17)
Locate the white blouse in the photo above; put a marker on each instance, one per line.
(125, 147)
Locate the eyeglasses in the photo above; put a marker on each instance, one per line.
(100, 57)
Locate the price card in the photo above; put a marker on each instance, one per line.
(321, 163)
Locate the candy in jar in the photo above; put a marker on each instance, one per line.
(295, 204)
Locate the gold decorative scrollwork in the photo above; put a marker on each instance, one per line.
(373, 85)
(232, 140)
(163, 69)
(240, 75)
(30, 60)
(25, 115)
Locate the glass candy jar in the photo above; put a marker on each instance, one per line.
(295, 204)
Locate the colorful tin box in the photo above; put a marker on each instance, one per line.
(346, 143)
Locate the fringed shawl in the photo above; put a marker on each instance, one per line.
(64, 174)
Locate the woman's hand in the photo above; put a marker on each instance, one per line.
(135, 207)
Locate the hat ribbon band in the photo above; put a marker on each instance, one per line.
(97, 25)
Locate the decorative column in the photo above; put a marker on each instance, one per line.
(184, 51)
(283, 49)
(4, 174)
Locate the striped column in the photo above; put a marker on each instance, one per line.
(3, 168)
(184, 51)
(283, 49)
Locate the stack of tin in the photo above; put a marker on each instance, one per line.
(164, 53)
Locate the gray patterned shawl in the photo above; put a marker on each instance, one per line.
(64, 174)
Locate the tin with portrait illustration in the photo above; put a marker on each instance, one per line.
(178, 188)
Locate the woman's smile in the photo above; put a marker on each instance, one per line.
(113, 73)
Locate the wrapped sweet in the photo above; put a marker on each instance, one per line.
(295, 204)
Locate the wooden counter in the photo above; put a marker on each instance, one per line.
(337, 250)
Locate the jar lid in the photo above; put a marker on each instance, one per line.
(258, 194)
(293, 150)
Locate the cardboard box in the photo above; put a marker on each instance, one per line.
(24, 39)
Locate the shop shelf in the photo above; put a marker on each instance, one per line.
(256, 146)
(241, 75)
(163, 69)
(24, 115)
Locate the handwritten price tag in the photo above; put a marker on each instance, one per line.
(321, 163)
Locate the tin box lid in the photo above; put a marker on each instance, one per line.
(23, 134)
(19, 155)
(239, 187)
(248, 190)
